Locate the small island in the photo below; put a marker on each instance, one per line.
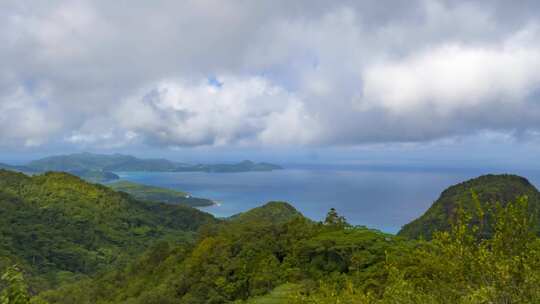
(158, 194)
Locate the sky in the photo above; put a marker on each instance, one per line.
(454, 82)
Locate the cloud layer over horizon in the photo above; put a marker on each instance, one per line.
(266, 73)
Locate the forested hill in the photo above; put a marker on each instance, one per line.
(60, 228)
(242, 258)
(484, 193)
(127, 163)
(275, 212)
(57, 226)
(274, 255)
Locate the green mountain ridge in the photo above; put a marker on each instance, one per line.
(127, 163)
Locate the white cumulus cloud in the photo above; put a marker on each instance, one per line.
(229, 111)
(454, 76)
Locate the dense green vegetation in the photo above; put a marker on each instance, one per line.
(245, 257)
(487, 190)
(275, 212)
(457, 266)
(126, 163)
(486, 253)
(157, 194)
(299, 261)
(58, 227)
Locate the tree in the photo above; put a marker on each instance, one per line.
(14, 290)
(334, 220)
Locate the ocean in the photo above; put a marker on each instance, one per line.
(383, 198)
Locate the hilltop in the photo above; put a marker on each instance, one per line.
(276, 212)
(490, 189)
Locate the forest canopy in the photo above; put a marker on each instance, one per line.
(271, 254)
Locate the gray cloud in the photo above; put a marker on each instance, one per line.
(244, 73)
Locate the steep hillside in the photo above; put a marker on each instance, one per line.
(490, 189)
(58, 226)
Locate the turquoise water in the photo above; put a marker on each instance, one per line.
(381, 198)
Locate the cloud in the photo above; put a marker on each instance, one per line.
(238, 110)
(455, 76)
(24, 118)
(95, 73)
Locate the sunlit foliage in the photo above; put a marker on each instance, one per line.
(488, 253)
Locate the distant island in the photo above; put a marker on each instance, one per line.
(158, 194)
(127, 163)
(100, 168)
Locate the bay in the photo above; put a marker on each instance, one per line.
(383, 198)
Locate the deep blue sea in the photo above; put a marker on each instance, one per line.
(383, 198)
